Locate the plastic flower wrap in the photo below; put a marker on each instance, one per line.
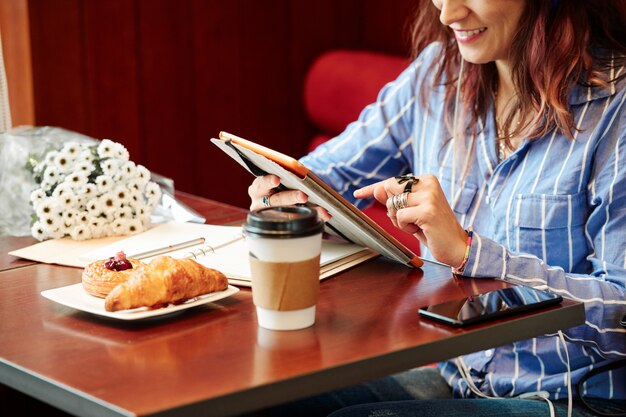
(91, 191)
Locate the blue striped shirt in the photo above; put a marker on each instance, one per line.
(552, 216)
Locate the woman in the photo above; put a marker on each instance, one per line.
(512, 118)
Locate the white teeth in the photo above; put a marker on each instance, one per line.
(468, 33)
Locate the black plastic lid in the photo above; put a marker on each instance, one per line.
(283, 222)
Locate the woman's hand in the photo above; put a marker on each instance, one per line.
(427, 215)
(263, 193)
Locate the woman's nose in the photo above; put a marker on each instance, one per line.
(452, 11)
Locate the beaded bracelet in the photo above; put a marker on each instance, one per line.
(459, 270)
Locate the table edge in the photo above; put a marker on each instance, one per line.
(508, 331)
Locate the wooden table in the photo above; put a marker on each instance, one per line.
(215, 360)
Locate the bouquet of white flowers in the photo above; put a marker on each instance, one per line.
(90, 191)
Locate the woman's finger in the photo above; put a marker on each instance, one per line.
(287, 198)
(429, 215)
(262, 186)
(322, 213)
(367, 191)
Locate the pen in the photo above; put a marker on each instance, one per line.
(166, 249)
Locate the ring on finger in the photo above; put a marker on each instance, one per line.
(410, 180)
(400, 201)
(409, 185)
(266, 200)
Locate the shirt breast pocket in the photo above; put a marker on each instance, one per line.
(551, 227)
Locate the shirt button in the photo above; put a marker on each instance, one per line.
(488, 353)
(487, 200)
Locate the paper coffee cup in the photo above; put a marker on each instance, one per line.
(284, 253)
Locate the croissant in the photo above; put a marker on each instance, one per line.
(163, 281)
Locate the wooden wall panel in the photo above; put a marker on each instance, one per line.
(219, 96)
(165, 54)
(386, 25)
(111, 73)
(163, 76)
(57, 57)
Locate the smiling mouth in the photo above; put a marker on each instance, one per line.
(465, 34)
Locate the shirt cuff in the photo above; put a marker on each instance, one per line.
(487, 259)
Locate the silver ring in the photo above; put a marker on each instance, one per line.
(266, 200)
(400, 201)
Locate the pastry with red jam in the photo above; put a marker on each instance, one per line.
(100, 277)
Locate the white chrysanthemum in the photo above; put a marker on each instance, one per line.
(98, 227)
(142, 213)
(82, 217)
(56, 233)
(80, 232)
(64, 162)
(135, 226)
(51, 224)
(94, 206)
(66, 228)
(124, 213)
(70, 217)
(47, 186)
(110, 167)
(84, 166)
(143, 175)
(58, 213)
(86, 156)
(106, 149)
(120, 152)
(77, 179)
(49, 158)
(153, 193)
(72, 149)
(87, 192)
(52, 175)
(135, 186)
(123, 194)
(37, 196)
(120, 226)
(128, 170)
(63, 189)
(67, 202)
(109, 202)
(136, 199)
(38, 231)
(47, 207)
(104, 183)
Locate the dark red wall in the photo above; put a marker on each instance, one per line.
(164, 76)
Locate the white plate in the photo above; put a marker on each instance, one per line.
(76, 297)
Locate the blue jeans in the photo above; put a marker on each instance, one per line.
(420, 392)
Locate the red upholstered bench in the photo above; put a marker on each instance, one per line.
(339, 84)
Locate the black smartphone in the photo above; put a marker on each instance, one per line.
(490, 305)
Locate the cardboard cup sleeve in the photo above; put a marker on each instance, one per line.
(285, 286)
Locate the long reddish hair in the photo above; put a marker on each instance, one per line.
(558, 44)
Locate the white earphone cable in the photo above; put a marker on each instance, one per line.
(543, 395)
